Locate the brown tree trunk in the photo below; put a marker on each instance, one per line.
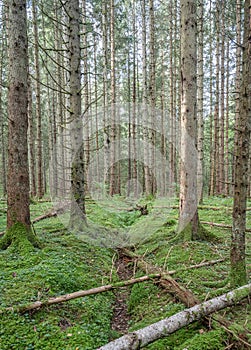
(200, 102)
(237, 253)
(18, 209)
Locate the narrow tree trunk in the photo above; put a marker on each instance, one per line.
(237, 77)
(31, 142)
(222, 104)
(200, 174)
(147, 181)
(226, 170)
(188, 211)
(2, 121)
(40, 184)
(237, 253)
(112, 190)
(78, 217)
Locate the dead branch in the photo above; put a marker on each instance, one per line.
(45, 216)
(221, 225)
(167, 282)
(82, 293)
(167, 326)
(105, 288)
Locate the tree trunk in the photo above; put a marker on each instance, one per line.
(113, 101)
(18, 201)
(237, 253)
(40, 184)
(200, 173)
(78, 215)
(188, 211)
(142, 337)
(222, 104)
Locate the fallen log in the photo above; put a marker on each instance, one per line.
(178, 291)
(105, 288)
(45, 216)
(82, 293)
(167, 326)
(221, 225)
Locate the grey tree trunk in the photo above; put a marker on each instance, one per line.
(40, 184)
(142, 337)
(188, 206)
(78, 215)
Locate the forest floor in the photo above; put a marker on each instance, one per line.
(68, 262)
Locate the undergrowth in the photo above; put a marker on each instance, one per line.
(67, 263)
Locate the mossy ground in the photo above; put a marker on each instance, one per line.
(67, 264)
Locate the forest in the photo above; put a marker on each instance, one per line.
(125, 174)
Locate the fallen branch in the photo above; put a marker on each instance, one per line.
(45, 216)
(167, 326)
(83, 293)
(181, 293)
(101, 289)
(221, 225)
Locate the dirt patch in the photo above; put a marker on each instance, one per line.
(121, 317)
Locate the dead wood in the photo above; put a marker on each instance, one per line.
(221, 225)
(179, 292)
(82, 293)
(167, 326)
(162, 276)
(45, 216)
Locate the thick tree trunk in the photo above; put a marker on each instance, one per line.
(18, 201)
(142, 337)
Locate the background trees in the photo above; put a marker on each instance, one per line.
(128, 53)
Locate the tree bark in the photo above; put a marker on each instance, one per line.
(200, 97)
(40, 184)
(78, 214)
(237, 254)
(18, 201)
(167, 326)
(188, 211)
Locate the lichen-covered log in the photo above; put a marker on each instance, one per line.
(167, 326)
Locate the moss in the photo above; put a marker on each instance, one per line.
(202, 235)
(20, 239)
(238, 275)
(212, 340)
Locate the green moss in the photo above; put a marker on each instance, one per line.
(19, 238)
(212, 340)
(238, 274)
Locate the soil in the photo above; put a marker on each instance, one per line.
(120, 320)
